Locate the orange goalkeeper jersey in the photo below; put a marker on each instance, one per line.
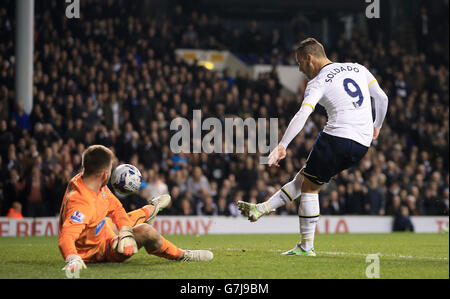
(83, 225)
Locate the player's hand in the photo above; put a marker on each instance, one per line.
(125, 243)
(74, 262)
(278, 154)
(376, 132)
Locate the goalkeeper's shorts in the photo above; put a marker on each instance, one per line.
(330, 155)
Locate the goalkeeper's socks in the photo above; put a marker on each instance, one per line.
(140, 215)
(167, 250)
(286, 194)
(308, 213)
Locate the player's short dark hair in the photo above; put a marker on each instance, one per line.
(96, 159)
(310, 46)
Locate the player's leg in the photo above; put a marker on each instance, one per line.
(330, 156)
(141, 215)
(146, 236)
(158, 203)
(292, 190)
(320, 167)
(149, 238)
(308, 213)
(289, 192)
(155, 244)
(148, 213)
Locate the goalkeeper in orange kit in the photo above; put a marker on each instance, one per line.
(94, 226)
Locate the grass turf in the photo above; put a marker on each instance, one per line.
(402, 255)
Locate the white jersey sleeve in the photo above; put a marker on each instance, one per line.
(296, 125)
(344, 90)
(380, 99)
(313, 93)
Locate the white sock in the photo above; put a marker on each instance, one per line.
(308, 213)
(286, 194)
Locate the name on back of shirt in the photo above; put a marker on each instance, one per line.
(337, 70)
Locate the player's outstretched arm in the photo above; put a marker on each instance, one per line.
(74, 262)
(76, 217)
(313, 93)
(278, 154)
(295, 126)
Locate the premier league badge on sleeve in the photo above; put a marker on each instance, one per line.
(77, 217)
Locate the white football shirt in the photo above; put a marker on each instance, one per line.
(343, 90)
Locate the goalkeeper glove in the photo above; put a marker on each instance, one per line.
(74, 262)
(125, 243)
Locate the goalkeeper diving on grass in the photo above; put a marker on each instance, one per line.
(94, 226)
(345, 91)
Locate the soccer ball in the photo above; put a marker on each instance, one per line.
(126, 179)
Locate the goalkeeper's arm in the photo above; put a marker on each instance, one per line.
(74, 262)
(66, 244)
(125, 242)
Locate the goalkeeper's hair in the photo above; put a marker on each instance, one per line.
(96, 159)
(310, 46)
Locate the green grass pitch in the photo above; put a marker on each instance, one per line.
(401, 255)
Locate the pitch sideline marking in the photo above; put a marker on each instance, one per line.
(350, 254)
(386, 255)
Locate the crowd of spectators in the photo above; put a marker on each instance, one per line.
(117, 82)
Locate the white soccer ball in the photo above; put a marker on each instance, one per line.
(126, 179)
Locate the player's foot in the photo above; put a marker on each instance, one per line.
(253, 211)
(249, 210)
(160, 203)
(298, 250)
(196, 256)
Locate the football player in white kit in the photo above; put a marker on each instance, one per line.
(345, 91)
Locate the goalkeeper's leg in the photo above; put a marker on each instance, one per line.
(137, 217)
(141, 215)
(155, 244)
(148, 213)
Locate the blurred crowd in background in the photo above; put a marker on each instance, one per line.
(102, 82)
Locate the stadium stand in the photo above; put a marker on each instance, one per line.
(116, 81)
